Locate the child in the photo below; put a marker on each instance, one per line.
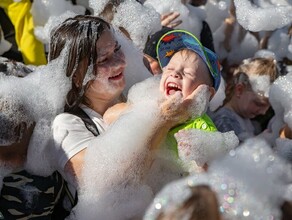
(187, 66)
(247, 96)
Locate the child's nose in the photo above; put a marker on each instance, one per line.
(263, 110)
(176, 74)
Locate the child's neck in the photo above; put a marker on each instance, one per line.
(232, 105)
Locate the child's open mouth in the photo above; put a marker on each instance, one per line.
(171, 88)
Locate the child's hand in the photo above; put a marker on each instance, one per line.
(176, 109)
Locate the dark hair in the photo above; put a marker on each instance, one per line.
(150, 46)
(80, 34)
(13, 68)
(286, 209)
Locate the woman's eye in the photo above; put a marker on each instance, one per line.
(102, 61)
(117, 48)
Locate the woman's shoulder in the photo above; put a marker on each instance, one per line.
(67, 119)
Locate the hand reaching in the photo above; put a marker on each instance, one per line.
(168, 19)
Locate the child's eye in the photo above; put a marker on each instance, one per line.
(170, 68)
(117, 48)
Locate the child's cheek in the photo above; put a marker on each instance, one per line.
(161, 85)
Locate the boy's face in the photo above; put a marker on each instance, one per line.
(184, 73)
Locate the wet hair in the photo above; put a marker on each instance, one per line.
(202, 204)
(13, 68)
(151, 44)
(286, 209)
(14, 119)
(80, 35)
(257, 66)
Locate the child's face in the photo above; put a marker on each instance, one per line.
(184, 73)
(252, 104)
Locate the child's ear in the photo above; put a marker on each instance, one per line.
(212, 92)
(239, 88)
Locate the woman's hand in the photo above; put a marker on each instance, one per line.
(176, 109)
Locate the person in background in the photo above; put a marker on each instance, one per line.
(23, 195)
(8, 46)
(246, 97)
(150, 51)
(18, 12)
(199, 202)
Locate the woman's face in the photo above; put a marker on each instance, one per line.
(110, 66)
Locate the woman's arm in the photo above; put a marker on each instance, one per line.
(114, 112)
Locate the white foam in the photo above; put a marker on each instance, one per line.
(135, 71)
(43, 94)
(254, 17)
(140, 23)
(191, 17)
(204, 146)
(219, 96)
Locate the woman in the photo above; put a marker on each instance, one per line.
(96, 67)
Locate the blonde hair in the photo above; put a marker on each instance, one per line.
(255, 66)
(186, 53)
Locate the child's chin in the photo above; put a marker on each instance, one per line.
(176, 93)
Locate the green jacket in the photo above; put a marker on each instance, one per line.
(203, 123)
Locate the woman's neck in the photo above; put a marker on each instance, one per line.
(101, 105)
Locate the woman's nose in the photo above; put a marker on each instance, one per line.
(119, 60)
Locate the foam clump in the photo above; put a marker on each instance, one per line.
(254, 17)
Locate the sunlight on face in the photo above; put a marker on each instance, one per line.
(110, 66)
(253, 104)
(184, 73)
